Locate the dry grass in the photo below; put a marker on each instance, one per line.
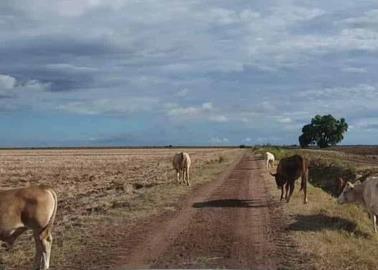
(330, 235)
(108, 186)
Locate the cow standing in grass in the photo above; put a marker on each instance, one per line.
(29, 208)
(181, 163)
(269, 159)
(288, 170)
(365, 193)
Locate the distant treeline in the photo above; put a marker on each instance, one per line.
(293, 146)
(116, 147)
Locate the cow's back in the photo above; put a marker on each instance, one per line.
(177, 160)
(186, 162)
(25, 207)
(292, 167)
(370, 194)
(269, 156)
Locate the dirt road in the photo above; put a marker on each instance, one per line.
(233, 222)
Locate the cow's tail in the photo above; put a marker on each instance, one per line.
(304, 173)
(48, 228)
(183, 160)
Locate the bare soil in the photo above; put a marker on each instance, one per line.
(233, 222)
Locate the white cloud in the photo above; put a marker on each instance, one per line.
(366, 123)
(224, 16)
(219, 140)
(207, 106)
(354, 69)
(183, 92)
(7, 82)
(218, 118)
(361, 92)
(9, 86)
(70, 68)
(369, 19)
(191, 111)
(206, 111)
(284, 120)
(110, 106)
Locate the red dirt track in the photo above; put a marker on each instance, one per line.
(233, 222)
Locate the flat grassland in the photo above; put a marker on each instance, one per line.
(100, 188)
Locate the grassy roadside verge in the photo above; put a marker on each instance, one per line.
(332, 236)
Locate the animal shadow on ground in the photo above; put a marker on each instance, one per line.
(233, 203)
(323, 222)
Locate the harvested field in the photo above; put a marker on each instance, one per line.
(100, 186)
(358, 150)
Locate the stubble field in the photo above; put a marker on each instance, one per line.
(99, 188)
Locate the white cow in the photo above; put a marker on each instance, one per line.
(269, 158)
(365, 193)
(181, 163)
(29, 208)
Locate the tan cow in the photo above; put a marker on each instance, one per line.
(29, 208)
(269, 159)
(365, 193)
(181, 163)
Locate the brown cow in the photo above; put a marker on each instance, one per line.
(29, 208)
(289, 169)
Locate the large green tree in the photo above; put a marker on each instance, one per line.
(324, 131)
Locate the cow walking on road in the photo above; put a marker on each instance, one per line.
(289, 169)
(181, 163)
(269, 159)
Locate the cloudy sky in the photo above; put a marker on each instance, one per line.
(194, 72)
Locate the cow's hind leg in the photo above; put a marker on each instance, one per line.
(271, 163)
(286, 190)
(290, 192)
(187, 176)
(178, 176)
(304, 186)
(183, 176)
(282, 192)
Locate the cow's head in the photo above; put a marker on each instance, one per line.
(348, 194)
(280, 181)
